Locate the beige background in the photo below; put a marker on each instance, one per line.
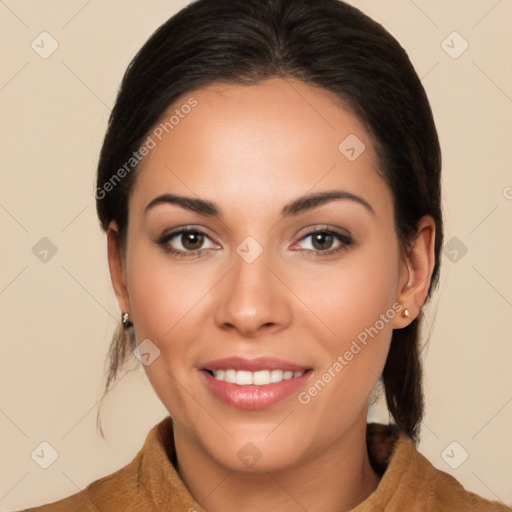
(57, 317)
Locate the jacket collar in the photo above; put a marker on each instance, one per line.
(389, 450)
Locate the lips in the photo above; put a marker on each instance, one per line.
(254, 365)
(253, 383)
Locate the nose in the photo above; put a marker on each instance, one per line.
(252, 299)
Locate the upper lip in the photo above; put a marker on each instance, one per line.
(253, 364)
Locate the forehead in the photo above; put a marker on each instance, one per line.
(265, 143)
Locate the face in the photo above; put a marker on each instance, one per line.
(258, 290)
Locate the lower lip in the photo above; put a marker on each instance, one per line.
(252, 396)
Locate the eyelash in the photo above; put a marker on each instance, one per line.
(163, 241)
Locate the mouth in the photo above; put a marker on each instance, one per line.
(254, 383)
(260, 378)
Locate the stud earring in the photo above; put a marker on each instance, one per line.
(405, 313)
(125, 320)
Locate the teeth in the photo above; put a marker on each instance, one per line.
(229, 376)
(261, 378)
(276, 376)
(243, 378)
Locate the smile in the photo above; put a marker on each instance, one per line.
(254, 383)
(260, 378)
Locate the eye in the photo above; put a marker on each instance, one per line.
(322, 241)
(185, 242)
(189, 242)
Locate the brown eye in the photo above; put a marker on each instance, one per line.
(186, 242)
(322, 240)
(192, 240)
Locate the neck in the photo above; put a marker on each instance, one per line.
(335, 480)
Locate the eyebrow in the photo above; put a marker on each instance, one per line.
(295, 207)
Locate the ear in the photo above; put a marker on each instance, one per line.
(117, 267)
(416, 271)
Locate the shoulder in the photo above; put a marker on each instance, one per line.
(411, 482)
(149, 482)
(434, 488)
(111, 493)
(446, 493)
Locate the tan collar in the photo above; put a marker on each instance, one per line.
(167, 490)
(408, 480)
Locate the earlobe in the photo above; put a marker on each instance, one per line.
(417, 271)
(116, 267)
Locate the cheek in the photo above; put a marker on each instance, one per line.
(351, 296)
(162, 300)
(165, 301)
(357, 305)
(354, 356)
(162, 294)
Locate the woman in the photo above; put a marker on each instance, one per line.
(270, 189)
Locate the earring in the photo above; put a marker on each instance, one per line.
(405, 313)
(125, 320)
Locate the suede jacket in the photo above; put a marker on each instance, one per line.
(150, 482)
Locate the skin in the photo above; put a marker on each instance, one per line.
(251, 150)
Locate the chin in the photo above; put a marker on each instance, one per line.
(257, 449)
(251, 458)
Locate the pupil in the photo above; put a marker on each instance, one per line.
(320, 237)
(189, 240)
